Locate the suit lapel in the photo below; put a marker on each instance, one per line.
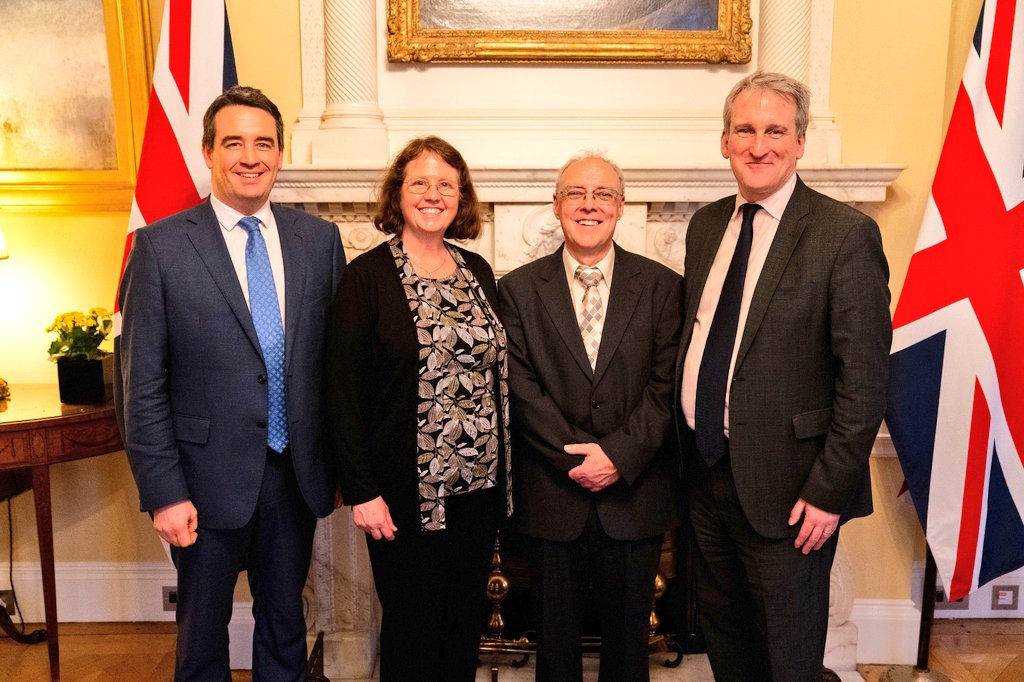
(786, 238)
(553, 290)
(293, 253)
(703, 245)
(207, 240)
(622, 301)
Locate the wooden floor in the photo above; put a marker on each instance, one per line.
(971, 651)
(98, 652)
(963, 650)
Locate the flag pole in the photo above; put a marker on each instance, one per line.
(920, 672)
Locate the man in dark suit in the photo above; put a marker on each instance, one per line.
(782, 375)
(224, 318)
(593, 332)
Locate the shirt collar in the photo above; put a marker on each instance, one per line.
(605, 265)
(775, 205)
(229, 217)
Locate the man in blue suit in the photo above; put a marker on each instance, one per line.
(224, 315)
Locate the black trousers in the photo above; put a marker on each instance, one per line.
(275, 548)
(763, 603)
(621, 575)
(432, 590)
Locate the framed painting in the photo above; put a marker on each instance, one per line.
(609, 31)
(72, 112)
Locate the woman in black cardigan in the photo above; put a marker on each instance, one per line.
(418, 412)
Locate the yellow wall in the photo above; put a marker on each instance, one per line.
(895, 68)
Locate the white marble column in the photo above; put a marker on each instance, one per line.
(352, 133)
(785, 32)
(795, 38)
(314, 80)
(343, 601)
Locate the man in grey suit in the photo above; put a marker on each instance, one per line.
(593, 332)
(224, 318)
(781, 378)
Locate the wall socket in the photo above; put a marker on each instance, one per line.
(7, 601)
(170, 598)
(941, 604)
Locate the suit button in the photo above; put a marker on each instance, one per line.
(261, 423)
(261, 379)
(595, 404)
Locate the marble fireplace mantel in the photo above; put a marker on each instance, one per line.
(307, 183)
(518, 223)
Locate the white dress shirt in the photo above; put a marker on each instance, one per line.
(766, 224)
(235, 238)
(576, 288)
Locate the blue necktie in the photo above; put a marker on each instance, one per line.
(266, 317)
(709, 417)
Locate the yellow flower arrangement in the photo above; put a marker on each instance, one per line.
(80, 335)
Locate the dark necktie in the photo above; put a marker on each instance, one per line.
(709, 417)
(266, 317)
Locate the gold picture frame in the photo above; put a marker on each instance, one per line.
(66, 185)
(415, 37)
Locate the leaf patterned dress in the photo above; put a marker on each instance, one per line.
(461, 430)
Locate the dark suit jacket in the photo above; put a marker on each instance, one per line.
(194, 392)
(808, 388)
(624, 404)
(373, 369)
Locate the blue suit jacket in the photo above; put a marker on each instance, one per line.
(193, 383)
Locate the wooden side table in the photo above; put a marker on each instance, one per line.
(36, 431)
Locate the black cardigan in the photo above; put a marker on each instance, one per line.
(372, 380)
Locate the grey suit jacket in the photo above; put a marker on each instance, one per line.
(624, 404)
(808, 389)
(193, 396)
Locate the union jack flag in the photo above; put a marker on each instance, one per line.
(956, 393)
(195, 63)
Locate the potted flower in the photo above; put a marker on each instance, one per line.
(84, 372)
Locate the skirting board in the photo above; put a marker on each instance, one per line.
(116, 592)
(101, 592)
(887, 630)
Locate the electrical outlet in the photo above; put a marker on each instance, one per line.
(170, 598)
(7, 601)
(1004, 597)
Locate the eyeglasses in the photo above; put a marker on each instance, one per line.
(602, 195)
(444, 187)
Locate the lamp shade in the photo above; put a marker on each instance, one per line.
(3, 246)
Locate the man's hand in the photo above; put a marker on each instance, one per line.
(818, 526)
(176, 523)
(374, 517)
(597, 471)
(338, 500)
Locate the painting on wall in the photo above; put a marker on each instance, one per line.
(56, 107)
(66, 110)
(700, 31)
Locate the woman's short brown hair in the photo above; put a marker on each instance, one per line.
(389, 218)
